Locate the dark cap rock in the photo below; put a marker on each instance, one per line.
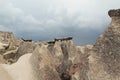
(114, 13)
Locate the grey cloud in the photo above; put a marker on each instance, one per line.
(13, 18)
(45, 20)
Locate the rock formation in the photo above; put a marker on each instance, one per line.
(11, 48)
(60, 59)
(114, 13)
(107, 51)
(24, 48)
(8, 38)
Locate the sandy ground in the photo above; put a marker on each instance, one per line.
(4, 74)
(21, 70)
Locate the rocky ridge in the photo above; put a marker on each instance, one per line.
(60, 59)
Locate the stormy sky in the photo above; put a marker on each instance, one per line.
(44, 20)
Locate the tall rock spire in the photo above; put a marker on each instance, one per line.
(108, 45)
(111, 36)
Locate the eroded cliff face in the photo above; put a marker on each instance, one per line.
(8, 44)
(7, 38)
(62, 60)
(107, 51)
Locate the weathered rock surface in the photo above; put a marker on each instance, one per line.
(8, 45)
(11, 48)
(9, 39)
(24, 48)
(114, 13)
(43, 64)
(106, 52)
(62, 60)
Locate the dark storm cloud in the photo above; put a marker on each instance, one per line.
(44, 20)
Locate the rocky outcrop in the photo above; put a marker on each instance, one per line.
(11, 48)
(72, 61)
(9, 39)
(43, 64)
(6, 37)
(114, 13)
(24, 48)
(8, 45)
(106, 52)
